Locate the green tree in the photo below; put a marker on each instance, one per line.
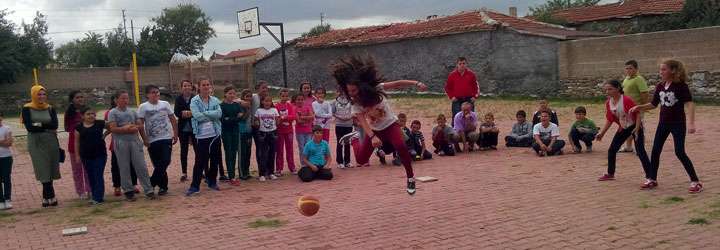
(701, 13)
(87, 52)
(543, 12)
(153, 47)
(34, 47)
(9, 64)
(119, 47)
(317, 30)
(186, 28)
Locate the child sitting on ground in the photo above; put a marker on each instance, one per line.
(465, 125)
(316, 156)
(417, 143)
(442, 136)
(583, 129)
(488, 133)
(521, 134)
(547, 136)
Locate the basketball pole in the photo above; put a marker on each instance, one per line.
(35, 77)
(134, 66)
(281, 41)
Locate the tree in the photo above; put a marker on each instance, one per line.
(87, 52)
(543, 12)
(119, 47)
(9, 64)
(317, 30)
(153, 47)
(700, 13)
(186, 28)
(34, 47)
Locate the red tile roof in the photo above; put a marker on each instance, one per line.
(463, 22)
(239, 53)
(625, 9)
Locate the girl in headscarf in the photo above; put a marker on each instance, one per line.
(40, 120)
(76, 101)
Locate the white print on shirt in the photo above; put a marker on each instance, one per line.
(667, 98)
(284, 112)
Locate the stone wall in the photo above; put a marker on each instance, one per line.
(504, 61)
(585, 64)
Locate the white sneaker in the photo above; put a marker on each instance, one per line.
(273, 177)
(340, 166)
(8, 204)
(262, 178)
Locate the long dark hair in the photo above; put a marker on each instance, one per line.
(71, 109)
(362, 73)
(616, 84)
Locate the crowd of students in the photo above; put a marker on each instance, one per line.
(363, 121)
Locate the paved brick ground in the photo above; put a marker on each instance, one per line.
(506, 199)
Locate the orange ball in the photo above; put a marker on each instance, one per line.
(308, 205)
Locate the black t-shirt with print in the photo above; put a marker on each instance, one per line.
(671, 101)
(92, 144)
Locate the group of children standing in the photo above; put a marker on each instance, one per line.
(363, 121)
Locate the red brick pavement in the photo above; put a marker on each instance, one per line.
(506, 199)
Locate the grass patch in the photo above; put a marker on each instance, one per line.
(673, 200)
(6, 217)
(698, 221)
(271, 223)
(645, 205)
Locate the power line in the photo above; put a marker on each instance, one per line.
(78, 31)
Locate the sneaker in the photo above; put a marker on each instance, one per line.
(95, 203)
(192, 191)
(262, 178)
(245, 178)
(577, 150)
(130, 196)
(118, 192)
(214, 187)
(606, 177)
(626, 150)
(293, 172)
(340, 166)
(82, 196)
(695, 187)
(223, 178)
(588, 149)
(411, 186)
(235, 183)
(493, 147)
(151, 196)
(8, 204)
(649, 184)
(183, 178)
(45, 202)
(162, 192)
(137, 190)
(53, 202)
(273, 177)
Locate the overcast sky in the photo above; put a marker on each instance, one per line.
(70, 19)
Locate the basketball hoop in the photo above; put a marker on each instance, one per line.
(248, 23)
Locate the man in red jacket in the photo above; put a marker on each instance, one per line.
(461, 86)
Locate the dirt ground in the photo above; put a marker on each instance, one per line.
(504, 199)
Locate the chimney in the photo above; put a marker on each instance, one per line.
(513, 11)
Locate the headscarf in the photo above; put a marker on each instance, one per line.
(34, 103)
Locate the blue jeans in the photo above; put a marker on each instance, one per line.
(95, 169)
(302, 139)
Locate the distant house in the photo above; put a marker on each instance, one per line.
(509, 54)
(625, 16)
(240, 56)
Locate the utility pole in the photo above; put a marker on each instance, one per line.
(322, 18)
(134, 66)
(124, 23)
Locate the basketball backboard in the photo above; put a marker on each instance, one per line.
(248, 22)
